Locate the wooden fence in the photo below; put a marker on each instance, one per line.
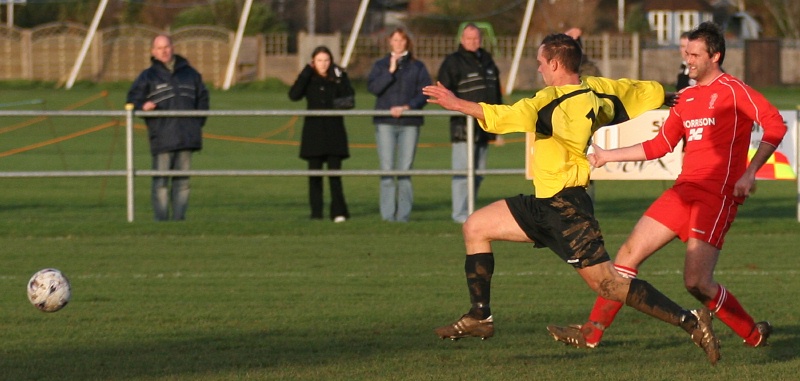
(48, 52)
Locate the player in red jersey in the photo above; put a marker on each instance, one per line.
(714, 118)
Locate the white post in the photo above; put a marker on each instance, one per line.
(605, 64)
(312, 17)
(621, 15)
(10, 13)
(101, 8)
(348, 51)
(129, 158)
(470, 165)
(523, 33)
(634, 72)
(237, 44)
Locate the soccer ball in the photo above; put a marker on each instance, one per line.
(49, 290)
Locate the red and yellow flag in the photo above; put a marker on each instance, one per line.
(777, 167)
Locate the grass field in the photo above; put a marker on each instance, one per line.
(249, 289)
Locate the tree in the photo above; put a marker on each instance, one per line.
(636, 20)
(779, 18)
(81, 11)
(226, 13)
(444, 16)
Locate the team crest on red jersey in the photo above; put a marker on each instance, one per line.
(712, 101)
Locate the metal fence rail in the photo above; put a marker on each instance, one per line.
(130, 172)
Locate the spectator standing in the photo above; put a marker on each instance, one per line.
(397, 81)
(324, 138)
(471, 74)
(683, 74)
(714, 119)
(170, 83)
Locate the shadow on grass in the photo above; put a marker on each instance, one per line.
(193, 358)
(783, 343)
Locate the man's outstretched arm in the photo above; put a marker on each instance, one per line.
(440, 95)
(601, 156)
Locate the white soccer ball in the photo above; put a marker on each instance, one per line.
(49, 290)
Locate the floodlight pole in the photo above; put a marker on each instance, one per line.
(348, 51)
(10, 13)
(523, 33)
(101, 8)
(312, 17)
(237, 44)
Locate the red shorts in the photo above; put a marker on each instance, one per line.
(692, 212)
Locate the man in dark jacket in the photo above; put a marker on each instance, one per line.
(170, 83)
(683, 73)
(471, 74)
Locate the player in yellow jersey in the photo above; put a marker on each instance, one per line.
(560, 215)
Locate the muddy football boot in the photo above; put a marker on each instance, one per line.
(570, 335)
(703, 335)
(467, 326)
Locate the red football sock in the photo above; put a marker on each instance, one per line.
(727, 308)
(604, 311)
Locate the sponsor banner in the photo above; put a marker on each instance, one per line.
(780, 166)
(625, 134)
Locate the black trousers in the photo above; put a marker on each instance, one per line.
(338, 203)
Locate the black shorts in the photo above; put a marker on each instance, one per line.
(565, 223)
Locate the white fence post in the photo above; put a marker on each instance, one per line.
(470, 165)
(129, 174)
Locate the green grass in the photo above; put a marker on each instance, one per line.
(249, 289)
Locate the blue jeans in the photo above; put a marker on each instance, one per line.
(397, 146)
(161, 192)
(459, 184)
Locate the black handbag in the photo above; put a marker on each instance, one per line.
(344, 103)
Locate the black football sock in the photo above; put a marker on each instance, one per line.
(479, 269)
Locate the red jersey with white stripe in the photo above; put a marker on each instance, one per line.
(715, 122)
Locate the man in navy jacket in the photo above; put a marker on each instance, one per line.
(471, 74)
(170, 83)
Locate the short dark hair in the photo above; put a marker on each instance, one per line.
(564, 49)
(712, 35)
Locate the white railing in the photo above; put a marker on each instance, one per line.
(130, 173)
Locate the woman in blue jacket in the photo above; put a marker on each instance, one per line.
(397, 80)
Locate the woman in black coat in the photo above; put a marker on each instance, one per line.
(324, 138)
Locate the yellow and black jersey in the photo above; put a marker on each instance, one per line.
(564, 118)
